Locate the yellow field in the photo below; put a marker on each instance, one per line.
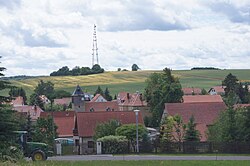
(131, 81)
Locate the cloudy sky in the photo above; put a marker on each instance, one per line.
(41, 36)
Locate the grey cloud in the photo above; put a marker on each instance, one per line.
(134, 16)
(43, 40)
(234, 14)
(10, 4)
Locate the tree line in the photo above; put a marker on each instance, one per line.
(65, 71)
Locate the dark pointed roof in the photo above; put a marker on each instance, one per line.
(78, 91)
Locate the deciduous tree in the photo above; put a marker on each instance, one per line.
(161, 88)
(129, 130)
(106, 129)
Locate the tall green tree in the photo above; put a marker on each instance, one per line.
(191, 133)
(135, 67)
(107, 95)
(36, 100)
(99, 91)
(106, 129)
(179, 128)
(231, 83)
(45, 88)
(3, 85)
(161, 88)
(15, 92)
(97, 69)
(231, 126)
(45, 131)
(166, 129)
(129, 131)
(8, 122)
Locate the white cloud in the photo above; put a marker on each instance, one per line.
(40, 37)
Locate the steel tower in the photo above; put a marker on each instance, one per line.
(95, 48)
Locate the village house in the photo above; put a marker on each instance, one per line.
(18, 101)
(63, 101)
(132, 101)
(191, 91)
(205, 113)
(33, 111)
(202, 98)
(87, 113)
(86, 122)
(217, 90)
(64, 120)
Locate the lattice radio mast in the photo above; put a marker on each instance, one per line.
(94, 49)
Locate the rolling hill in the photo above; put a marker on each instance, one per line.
(131, 81)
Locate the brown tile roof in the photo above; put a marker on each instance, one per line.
(34, 111)
(64, 120)
(218, 89)
(18, 101)
(204, 113)
(87, 121)
(241, 105)
(97, 96)
(130, 99)
(201, 98)
(63, 101)
(101, 106)
(190, 91)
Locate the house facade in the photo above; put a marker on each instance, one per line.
(191, 91)
(86, 122)
(217, 90)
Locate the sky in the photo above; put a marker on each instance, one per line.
(38, 37)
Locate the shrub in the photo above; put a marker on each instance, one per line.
(114, 144)
(11, 154)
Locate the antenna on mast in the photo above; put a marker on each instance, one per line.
(95, 48)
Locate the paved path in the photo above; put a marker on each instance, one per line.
(145, 157)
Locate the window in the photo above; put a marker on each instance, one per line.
(91, 110)
(108, 109)
(90, 144)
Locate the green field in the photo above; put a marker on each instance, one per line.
(136, 163)
(131, 81)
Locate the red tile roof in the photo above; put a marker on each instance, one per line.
(191, 91)
(201, 98)
(241, 105)
(101, 106)
(63, 101)
(98, 96)
(87, 121)
(204, 113)
(18, 101)
(218, 89)
(64, 120)
(128, 99)
(34, 111)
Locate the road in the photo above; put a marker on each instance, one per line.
(144, 157)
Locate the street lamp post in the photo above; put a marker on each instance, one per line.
(137, 139)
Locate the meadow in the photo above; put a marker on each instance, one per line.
(131, 81)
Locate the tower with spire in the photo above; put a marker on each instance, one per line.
(78, 99)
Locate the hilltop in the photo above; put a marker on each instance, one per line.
(131, 81)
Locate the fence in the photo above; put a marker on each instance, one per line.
(169, 148)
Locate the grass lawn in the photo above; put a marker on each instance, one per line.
(135, 163)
